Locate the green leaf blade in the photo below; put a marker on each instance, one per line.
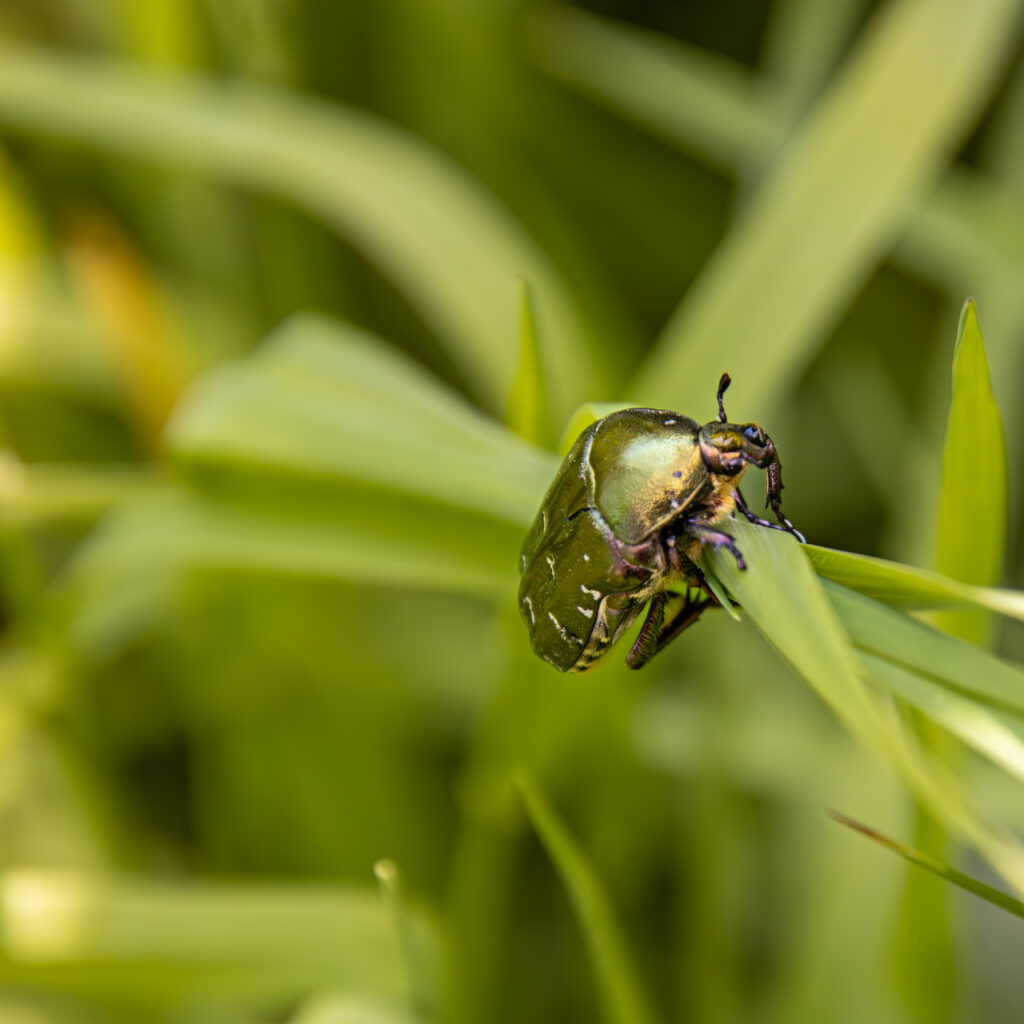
(454, 253)
(625, 1000)
(958, 878)
(834, 202)
(971, 532)
(329, 401)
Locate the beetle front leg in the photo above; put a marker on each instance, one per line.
(718, 539)
(784, 524)
(773, 496)
(754, 518)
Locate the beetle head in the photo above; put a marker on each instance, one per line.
(728, 447)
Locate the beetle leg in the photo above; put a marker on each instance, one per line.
(785, 525)
(691, 611)
(775, 500)
(686, 617)
(646, 644)
(773, 496)
(718, 538)
(756, 519)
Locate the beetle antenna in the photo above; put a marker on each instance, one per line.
(723, 384)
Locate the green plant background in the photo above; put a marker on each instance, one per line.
(297, 299)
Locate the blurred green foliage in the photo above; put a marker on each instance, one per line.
(297, 299)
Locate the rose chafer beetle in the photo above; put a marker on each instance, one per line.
(623, 523)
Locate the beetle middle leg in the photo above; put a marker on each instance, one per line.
(718, 539)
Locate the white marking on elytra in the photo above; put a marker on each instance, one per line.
(586, 557)
(543, 520)
(595, 594)
(565, 634)
(589, 612)
(550, 559)
(522, 563)
(528, 605)
(674, 503)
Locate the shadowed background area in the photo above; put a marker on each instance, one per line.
(297, 298)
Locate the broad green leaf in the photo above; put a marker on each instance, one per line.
(133, 563)
(33, 493)
(971, 539)
(449, 247)
(786, 601)
(329, 402)
(249, 943)
(905, 586)
(624, 998)
(326, 454)
(782, 596)
(958, 878)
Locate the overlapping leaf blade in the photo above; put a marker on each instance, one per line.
(329, 402)
(781, 594)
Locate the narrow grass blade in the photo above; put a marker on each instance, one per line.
(420, 959)
(834, 202)
(804, 42)
(685, 95)
(453, 252)
(527, 412)
(624, 998)
(971, 541)
(958, 878)
(905, 586)
(586, 414)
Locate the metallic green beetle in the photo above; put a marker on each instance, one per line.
(639, 494)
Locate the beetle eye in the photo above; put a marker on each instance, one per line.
(752, 432)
